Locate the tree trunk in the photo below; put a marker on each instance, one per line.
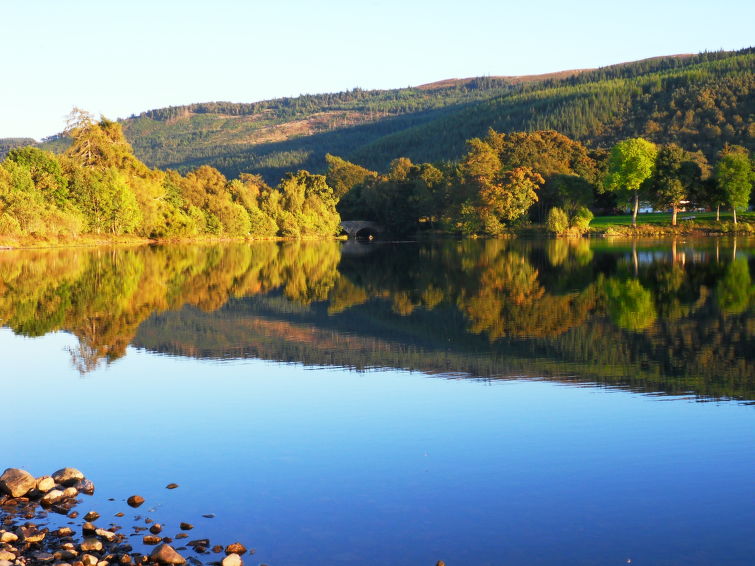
(734, 210)
(636, 208)
(673, 216)
(718, 213)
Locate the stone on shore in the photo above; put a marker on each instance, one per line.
(232, 560)
(51, 497)
(45, 484)
(17, 483)
(67, 476)
(91, 545)
(166, 554)
(135, 500)
(186, 526)
(235, 548)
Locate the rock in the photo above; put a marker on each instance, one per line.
(107, 535)
(119, 514)
(73, 514)
(88, 529)
(92, 516)
(165, 554)
(40, 556)
(91, 544)
(67, 476)
(65, 532)
(45, 484)
(151, 539)
(70, 493)
(51, 497)
(89, 560)
(85, 486)
(135, 500)
(232, 560)
(6, 563)
(5, 555)
(217, 549)
(440, 563)
(182, 535)
(186, 526)
(17, 483)
(155, 529)
(31, 534)
(7, 537)
(171, 486)
(235, 548)
(209, 516)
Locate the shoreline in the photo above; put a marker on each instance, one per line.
(617, 231)
(25, 498)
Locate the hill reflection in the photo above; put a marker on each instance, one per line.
(671, 317)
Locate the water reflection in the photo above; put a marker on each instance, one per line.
(672, 317)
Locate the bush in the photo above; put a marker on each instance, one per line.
(581, 218)
(557, 221)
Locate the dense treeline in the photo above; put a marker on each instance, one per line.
(490, 308)
(98, 186)
(502, 182)
(506, 179)
(700, 102)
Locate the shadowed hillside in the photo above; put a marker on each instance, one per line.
(699, 101)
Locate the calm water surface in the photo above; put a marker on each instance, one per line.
(477, 402)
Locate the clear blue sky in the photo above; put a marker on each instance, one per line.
(120, 58)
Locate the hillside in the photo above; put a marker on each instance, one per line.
(700, 101)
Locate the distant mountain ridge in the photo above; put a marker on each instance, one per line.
(700, 101)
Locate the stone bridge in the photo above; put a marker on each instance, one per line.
(361, 228)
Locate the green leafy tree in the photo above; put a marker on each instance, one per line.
(630, 164)
(667, 189)
(734, 177)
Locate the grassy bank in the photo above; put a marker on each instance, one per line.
(659, 224)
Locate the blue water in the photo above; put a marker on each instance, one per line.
(331, 466)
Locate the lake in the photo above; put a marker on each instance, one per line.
(477, 402)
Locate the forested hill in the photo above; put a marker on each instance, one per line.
(6, 144)
(699, 101)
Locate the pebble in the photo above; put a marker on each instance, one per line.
(186, 526)
(171, 486)
(156, 528)
(92, 516)
(232, 560)
(151, 539)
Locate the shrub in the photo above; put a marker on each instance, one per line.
(581, 218)
(557, 221)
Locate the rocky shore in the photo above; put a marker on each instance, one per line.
(32, 510)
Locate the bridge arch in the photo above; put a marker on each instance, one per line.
(361, 228)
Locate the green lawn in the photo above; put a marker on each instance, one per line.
(665, 218)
